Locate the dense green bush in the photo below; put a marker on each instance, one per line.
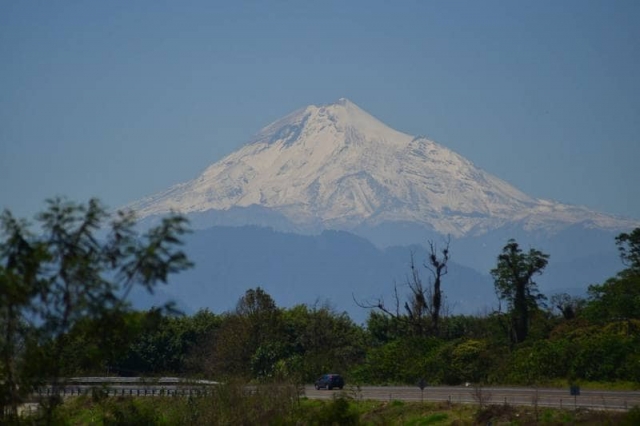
(399, 361)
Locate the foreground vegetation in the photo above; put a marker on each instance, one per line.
(63, 313)
(280, 406)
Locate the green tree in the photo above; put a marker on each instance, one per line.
(629, 247)
(322, 341)
(514, 284)
(260, 341)
(618, 299)
(265, 345)
(96, 345)
(605, 354)
(398, 361)
(20, 284)
(248, 342)
(383, 328)
(66, 274)
(228, 353)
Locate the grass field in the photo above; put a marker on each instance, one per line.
(282, 406)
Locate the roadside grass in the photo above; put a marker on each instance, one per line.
(416, 413)
(278, 405)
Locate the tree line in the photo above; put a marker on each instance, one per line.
(64, 313)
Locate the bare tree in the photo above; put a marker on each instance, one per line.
(414, 311)
(438, 267)
(419, 305)
(422, 309)
(569, 306)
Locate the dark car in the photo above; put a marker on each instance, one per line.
(330, 381)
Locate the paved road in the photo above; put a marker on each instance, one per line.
(609, 400)
(595, 399)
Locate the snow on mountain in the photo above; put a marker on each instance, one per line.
(338, 167)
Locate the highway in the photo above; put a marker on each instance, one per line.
(544, 397)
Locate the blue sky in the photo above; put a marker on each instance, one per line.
(122, 99)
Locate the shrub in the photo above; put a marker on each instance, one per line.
(338, 412)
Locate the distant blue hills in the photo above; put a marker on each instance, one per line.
(335, 267)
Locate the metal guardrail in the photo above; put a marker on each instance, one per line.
(138, 380)
(129, 391)
(128, 386)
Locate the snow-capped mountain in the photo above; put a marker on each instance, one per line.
(337, 167)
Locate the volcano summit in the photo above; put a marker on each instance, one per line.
(337, 167)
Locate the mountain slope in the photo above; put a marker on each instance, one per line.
(337, 167)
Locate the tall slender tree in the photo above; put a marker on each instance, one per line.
(514, 284)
